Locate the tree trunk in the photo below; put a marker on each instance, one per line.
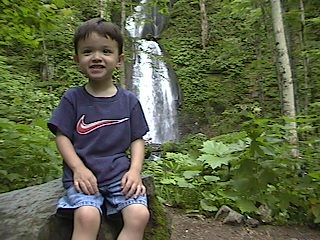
(290, 34)
(123, 27)
(46, 69)
(123, 16)
(307, 93)
(45, 75)
(285, 70)
(204, 23)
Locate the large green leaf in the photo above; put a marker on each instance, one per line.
(181, 182)
(215, 148)
(215, 161)
(211, 178)
(59, 3)
(207, 205)
(167, 181)
(246, 205)
(191, 174)
(315, 175)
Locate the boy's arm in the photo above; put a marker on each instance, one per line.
(83, 179)
(131, 182)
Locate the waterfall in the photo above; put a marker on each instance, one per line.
(151, 80)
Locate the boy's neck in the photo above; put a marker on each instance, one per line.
(101, 90)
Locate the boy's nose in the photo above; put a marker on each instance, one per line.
(96, 56)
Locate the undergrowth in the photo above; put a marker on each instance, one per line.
(249, 170)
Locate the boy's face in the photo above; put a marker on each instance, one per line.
(98, 56)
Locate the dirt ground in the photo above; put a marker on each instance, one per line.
(193, 227)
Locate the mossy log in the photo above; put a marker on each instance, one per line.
(30, 214)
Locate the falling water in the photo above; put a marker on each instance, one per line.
(152, 83)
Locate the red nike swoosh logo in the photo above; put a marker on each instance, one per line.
(85, 128)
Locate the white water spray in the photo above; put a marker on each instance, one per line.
(152, 83)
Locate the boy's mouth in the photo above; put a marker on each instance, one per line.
(96, 66)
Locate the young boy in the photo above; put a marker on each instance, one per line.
(94, 126)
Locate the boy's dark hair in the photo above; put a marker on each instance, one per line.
(100, 26)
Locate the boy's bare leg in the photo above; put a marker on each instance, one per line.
(135, 219)
(86, 223)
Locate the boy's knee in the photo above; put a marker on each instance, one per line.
(138, 213)
(87, 215)
(143, 215)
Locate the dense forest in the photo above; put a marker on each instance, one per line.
(248, 72)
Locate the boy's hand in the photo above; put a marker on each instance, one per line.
(132, 185)
(85, 181)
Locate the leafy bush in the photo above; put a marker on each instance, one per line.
(190, 144)
(249, 171)
(27, 155)
(21, 101)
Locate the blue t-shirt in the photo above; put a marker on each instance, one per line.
(101, 129)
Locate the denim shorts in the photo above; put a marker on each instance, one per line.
(110, 198)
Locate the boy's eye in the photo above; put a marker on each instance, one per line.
(86, 51)
(107, 51)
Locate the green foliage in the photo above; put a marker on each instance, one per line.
(28, 155)
(24, 22)
(189, 144)
(83, 9)
(172, 179)
(21, 101)
(246, 170)
(236, 67)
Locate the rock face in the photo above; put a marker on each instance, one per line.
(30, 214)
(229, 216)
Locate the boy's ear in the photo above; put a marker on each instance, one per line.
(76, 58)
(120, 60)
